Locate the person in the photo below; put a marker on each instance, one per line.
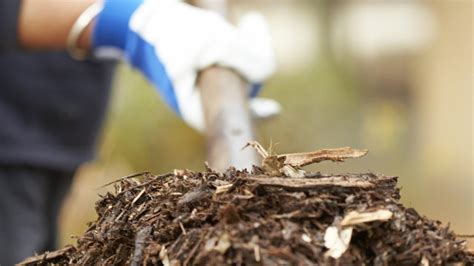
(57, 60)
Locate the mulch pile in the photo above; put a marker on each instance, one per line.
(257, 218)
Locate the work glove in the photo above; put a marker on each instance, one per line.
(169, 42)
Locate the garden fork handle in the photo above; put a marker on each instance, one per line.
(229, 126)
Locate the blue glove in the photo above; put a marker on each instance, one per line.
(169, 42)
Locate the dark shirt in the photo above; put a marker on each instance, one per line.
(51, 106)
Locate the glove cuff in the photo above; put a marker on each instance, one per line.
(112, 23)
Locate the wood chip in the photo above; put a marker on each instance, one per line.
(307, 158)
(354, 217)
(304, 183)
(223, 189)
(289, 164)
(164, 256)
(335, 155)
(256, 251)
(223, 243)
(337, 240)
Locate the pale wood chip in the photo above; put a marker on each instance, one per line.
(335, 155)
(354, 217)
(310, 182)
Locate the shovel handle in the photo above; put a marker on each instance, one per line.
(229, 126)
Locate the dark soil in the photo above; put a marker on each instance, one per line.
(243, 218)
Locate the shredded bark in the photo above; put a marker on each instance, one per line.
(253, 218)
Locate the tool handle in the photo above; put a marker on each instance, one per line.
(228, 123)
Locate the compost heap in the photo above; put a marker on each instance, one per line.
(274, 214)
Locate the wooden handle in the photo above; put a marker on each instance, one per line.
(228, 123)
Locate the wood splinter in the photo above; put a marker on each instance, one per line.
(306, 183)
(289, 164)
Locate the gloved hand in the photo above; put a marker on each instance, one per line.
(170, 41)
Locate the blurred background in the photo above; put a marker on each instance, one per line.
(395, 77)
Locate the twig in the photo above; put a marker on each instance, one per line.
(182, 228)
(465, 236)
(195, 248)
(147, 182)
(258, 147)
(47, 256)
(124, 178)
(138, 196)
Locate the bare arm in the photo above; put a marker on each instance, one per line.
(45, 24)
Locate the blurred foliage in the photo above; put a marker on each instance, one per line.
(143, 132)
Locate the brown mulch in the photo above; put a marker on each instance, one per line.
(239, 218)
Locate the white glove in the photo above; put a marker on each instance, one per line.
(170, 41)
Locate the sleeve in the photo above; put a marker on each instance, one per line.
(9, 10)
